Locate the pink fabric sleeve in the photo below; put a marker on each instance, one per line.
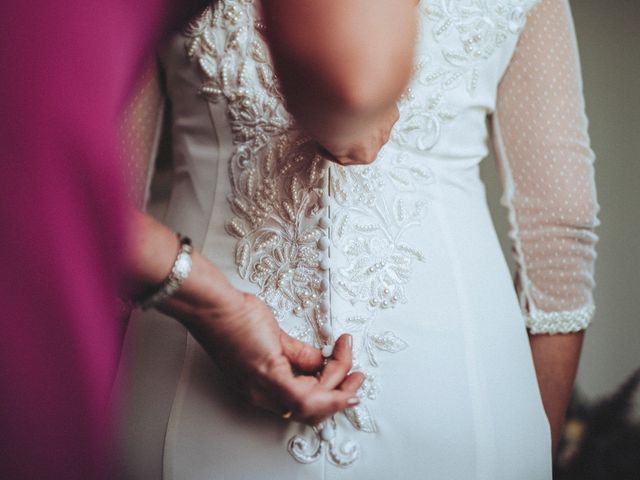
(543, 152)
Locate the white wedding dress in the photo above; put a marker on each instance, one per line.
(402, 254)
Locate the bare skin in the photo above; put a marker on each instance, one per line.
(556, 360)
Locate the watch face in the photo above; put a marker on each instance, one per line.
(183, 265)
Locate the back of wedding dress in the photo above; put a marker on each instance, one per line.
(400, 254)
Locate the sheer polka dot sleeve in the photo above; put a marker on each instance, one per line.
(543, 152)
(140, 135)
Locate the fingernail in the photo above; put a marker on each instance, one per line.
(353, 401)
(350, 341)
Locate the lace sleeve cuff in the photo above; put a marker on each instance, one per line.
(567, 321)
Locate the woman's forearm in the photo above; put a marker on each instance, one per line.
(556, 360)
(342, 65)
(153, 250)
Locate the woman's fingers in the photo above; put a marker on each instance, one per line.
(350, 387)
(306, 407)
(308, 399)
(339, 364)
(284, 392)
(303, 357)
(352, 383)
(323, 404)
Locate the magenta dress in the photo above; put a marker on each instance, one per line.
(66, 71)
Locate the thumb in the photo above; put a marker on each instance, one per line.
(302, 357)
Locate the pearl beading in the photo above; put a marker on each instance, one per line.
(480, 29)
(280, 190)
(539, 322)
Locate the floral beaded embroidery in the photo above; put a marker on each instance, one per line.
(477, 28)
(371, 230)
(280, 212)
(285, 221)
(276, 175)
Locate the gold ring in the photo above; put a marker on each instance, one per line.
(287, 415)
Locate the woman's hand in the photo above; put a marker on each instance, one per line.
(260, 359)
(241, 334)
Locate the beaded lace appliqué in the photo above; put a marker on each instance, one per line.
(290, 207)
(280, 202)
(276, 175)
(371, 230)
(476, 29)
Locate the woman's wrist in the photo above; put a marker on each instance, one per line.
(204, 293)
(204, 296)
(179, 273)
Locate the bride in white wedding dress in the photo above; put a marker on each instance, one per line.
(401, 254)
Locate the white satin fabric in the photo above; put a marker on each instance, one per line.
(402, 254)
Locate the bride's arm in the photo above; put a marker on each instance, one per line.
(543, 148)
(342, 66)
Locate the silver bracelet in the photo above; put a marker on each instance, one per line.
(179, 273)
